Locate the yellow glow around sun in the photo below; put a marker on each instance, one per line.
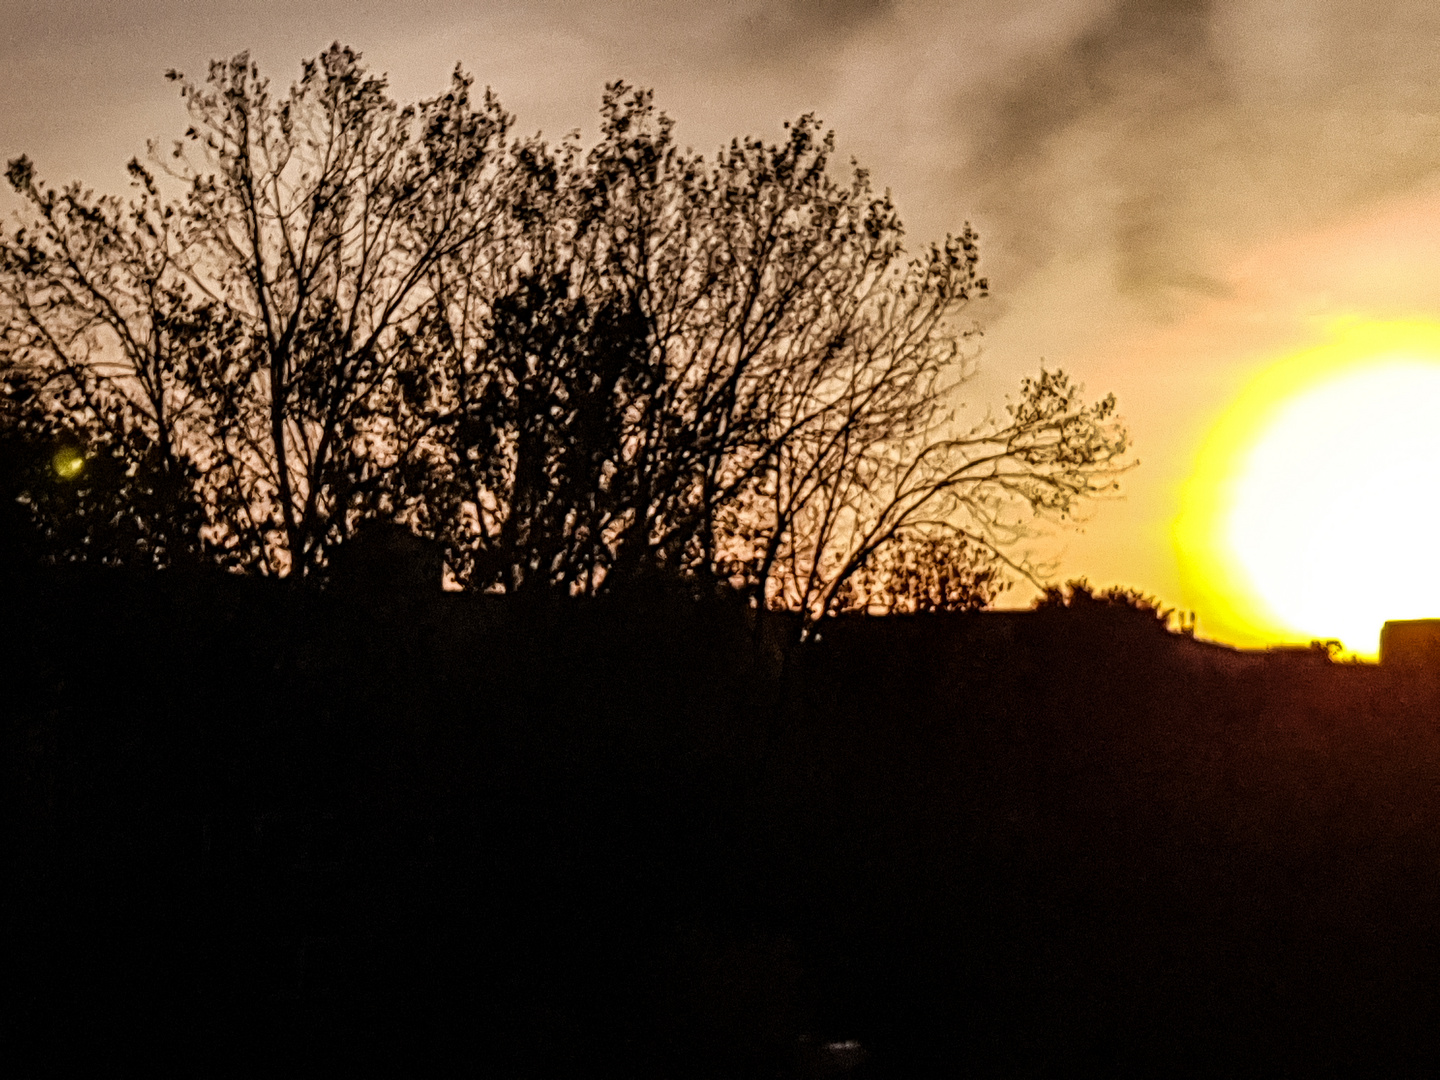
(1314, 508)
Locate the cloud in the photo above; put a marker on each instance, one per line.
(1159, 136)
(1168, 133)
(778, 30)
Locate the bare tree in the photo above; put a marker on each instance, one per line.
(923, 574)
(579, 369)
(730, 371)
(259, 331)
(864, 489)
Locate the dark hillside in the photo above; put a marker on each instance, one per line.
(1104, 844)
(250, 829)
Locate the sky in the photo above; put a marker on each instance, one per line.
(1170, 195)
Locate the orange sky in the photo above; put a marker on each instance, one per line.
(1176, 377)
(1171, 194)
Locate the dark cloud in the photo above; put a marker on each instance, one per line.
(781, 30)
(1140, 45)
(1122, 98)
(1154, 132)
(1165, 132)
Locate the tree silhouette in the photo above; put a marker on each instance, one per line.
(257, 331)
(928, 573)
(578, 369)
(106, 498)
(1079, 594)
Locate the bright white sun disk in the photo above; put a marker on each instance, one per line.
(1336, 512)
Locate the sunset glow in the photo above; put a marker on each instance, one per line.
(1312, 511)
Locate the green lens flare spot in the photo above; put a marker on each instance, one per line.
(68, 464)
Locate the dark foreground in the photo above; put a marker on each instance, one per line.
(253, 833)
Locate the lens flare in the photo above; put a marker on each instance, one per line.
(68, 463)
(1314, 508)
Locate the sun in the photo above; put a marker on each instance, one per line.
(1314, 508)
